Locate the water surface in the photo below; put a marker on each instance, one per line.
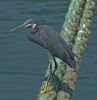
(23, 64)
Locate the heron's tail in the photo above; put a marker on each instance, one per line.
(71, 63)
(71, 59)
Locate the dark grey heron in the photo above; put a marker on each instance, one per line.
(50, 40)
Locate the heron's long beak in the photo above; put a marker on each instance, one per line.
(18, 27)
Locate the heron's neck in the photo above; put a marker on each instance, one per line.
(32, 33)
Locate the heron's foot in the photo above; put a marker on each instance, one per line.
(47, 86)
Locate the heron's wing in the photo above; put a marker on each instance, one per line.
(52, 41)
(48, 36)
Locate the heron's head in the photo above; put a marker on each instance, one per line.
(29, 24)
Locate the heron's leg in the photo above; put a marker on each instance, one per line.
(50, 66)
(50, 72)
(48, 84)
(56, 66)
(51, 58)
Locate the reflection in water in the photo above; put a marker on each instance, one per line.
(23, 64)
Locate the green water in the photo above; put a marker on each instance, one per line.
(23, 64)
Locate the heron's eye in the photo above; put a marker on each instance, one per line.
(28, 25)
